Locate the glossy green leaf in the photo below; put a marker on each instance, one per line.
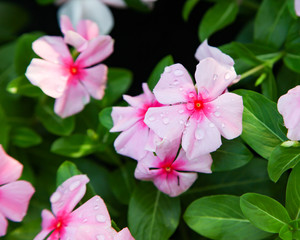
(216, 18)
(261, 123)
(137, 5)
(152, 215)
(231, 155)
(264, 212)
(22, 86)
(292, 202)
(188, 7)
(220, 217)
(286, 79)
(271, 23)
(292, 57)
(54, 123)
(158, 70)
(285, 233)
(105, 118)
(282, 159)
(66, 170)
(5, 129)
(25, 137)
(269, 87)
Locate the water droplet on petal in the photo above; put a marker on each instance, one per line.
(176, 82)
(204, 93)
(187, 124)
(181, 89)
(96, 207)
(218, 107)
(74, 185)
(211, 125)
(55, 197)
(223, 125)
(215, 76)
(217, 114)
(168, 69)
(180, 111)
(227, 76)
(100, 218)
(161, 114)
(100, 237)
(178, 72)
(151, 118)
(60, 89)
(199, 134)
(191, 95)
(84, 220)
(166, 120)
(181, 122)
(190, 106)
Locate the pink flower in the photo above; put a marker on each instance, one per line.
(89, 221)
(136, 137)
(14, 195)
(170, 174)
(70, 82)
(199, 115)
(297, 7)
(85, 31)
(289, 107)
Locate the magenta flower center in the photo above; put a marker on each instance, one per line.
(73, 70)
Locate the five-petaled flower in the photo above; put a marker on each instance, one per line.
(198, 114)
(289, 107)
(89, 221)
(70, 82)
(14, 195)
(136, 138)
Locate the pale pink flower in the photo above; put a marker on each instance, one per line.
(70, 82)
(170, 174)
(289, 107)
(297, 7)
(136, 137)
(14, 195)
(199, 115)
(85, 31)
(89, 221)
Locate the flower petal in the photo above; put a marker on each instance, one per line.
(72, 101)
(174, 82)
(227, 114)
(124, 234)
(95, 81)
(51, 78)
(68, 194)
(297, 7)
(124, 118)
(139, 101)
(87, 29)
(200, 137)
(52, 49)
(98, 49)
(65, 24)
(14, 201)
(3, 225)
(213, 77)
(93, 10)
(76, 40)
(168, 149)
(47, 220)
(205, 51)
(167, 122)
(115, 3)
(10, 168)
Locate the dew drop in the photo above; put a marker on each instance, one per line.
(96, 207)
(191, 95)
(178, 72)
(211, 125)
(181, 122)
(190, 106)
(100, 237)
(180, 111)
(176, 82)
(227, 76)
(217, 114)
(60, 89)
(74, 185)
(84, 220)
(223, 125)
(100, 218)
(187, 124)
(215, 76)
(151, 118)
(166, 120)
(181, 89)
(55, 197)
(168, 69)
(199, 134)
(218, 107)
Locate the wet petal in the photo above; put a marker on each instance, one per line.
(47, 220)
(10, 168)
(213, 77)
(76, 40)
(124, 118)
(173, 84)
(168, 149)
(124, 234)
(3, 225)
(152, 141)
(142, 170)
(15, 199)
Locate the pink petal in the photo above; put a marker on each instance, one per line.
(72, 101)
(139, 101)
(87, 29)
(48, 218)
(142, 170)
(289, 107)
(90, 232)
(68, 194)
(297, 7)
(167, 122)
(65, 24)
(52, 49)
(10, 168)
(132, 141)
(205, 51)
(14, 199)
(124, 118)
(51, 78)
(213, 77)
(3, 225)
(115, 3)
(148, 94)
(174, 82)
(153, 141)
(76, 40)
(95, 81)
(227, 114)
(168, 149)
(124, 234)
(98, 49)
(201, 137)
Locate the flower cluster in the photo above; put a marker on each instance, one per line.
(59, 76)
(180, 113)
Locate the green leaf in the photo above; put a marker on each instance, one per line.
(188, 7)
(220, 217)
(231, 155)
(281, 159)
(264, 212)
(269, 87)
(158, 70)
(76, 146)
(291, 6)
(216, 18)
(285, 233)
(286, 79)
(25, 137)
(52, 122)
(45, 2)
(22, 86)
(292, 202)
(152, 215)
(5, 129)
(118, 82)
(292, 57)
(137, 5)
(272, 23)
(261, 123)
(105, 118)
(66, 170)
